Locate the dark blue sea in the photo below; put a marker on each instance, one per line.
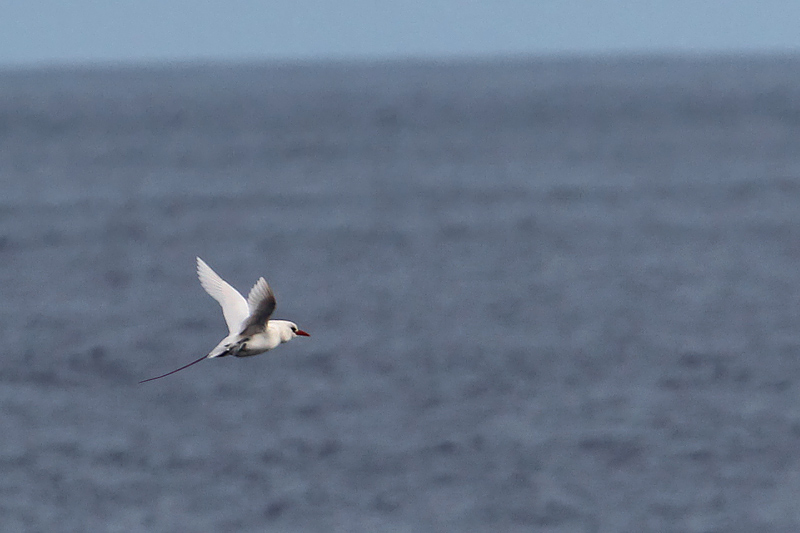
(554, 295)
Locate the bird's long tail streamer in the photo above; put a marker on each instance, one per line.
(176, 370)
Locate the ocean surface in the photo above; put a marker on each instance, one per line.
(544, 295)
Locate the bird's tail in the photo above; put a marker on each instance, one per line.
(229, 348)
(176, 370)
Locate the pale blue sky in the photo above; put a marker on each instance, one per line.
(81, 31)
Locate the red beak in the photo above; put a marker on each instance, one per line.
(301, 333)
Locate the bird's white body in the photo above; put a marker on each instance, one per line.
(250, 330)
(276, 333)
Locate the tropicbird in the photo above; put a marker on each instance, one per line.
(250, 330)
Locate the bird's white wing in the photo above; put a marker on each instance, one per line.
(234, 306)
(261, 302)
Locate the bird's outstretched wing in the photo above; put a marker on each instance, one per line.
(234, 306)
(261, 303)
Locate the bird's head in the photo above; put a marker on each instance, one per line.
(297, 331)
(289, 330)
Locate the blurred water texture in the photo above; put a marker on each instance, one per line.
(544, 295)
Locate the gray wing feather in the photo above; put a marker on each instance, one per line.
(261, 303)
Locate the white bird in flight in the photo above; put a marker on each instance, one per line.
(251, 332)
